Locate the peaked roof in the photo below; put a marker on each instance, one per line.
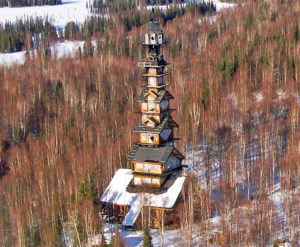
(159, 96)
(151, 92)
(142, 128)
(153, 154)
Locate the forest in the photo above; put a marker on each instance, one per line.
(66, 125)
(23, 34)
(23, 3)
(27, 34)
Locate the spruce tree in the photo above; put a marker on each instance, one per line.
(146, 236)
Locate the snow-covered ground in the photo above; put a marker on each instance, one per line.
(58, 15)
(171, 238)
(59, 50)
(8, 59)
(219, 5)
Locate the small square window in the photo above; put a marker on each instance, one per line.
(137, 181)
(155, 181)
(146, 180)
(139, 166)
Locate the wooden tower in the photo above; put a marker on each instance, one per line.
(155, 182)
(154, 158)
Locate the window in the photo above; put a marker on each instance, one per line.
(160, 39)
(150, 138)
(151, 107)
(152, 71)
(147, 168)
(155, 181)
(156, 167)
(146, 180)
(152, 39)
(144, 106)
(137, 181)
(152, 81)
(139, 166)
(144, 137)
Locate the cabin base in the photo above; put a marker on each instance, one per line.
(154, 217)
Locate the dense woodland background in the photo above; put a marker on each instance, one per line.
(66, 125)
(29, 33)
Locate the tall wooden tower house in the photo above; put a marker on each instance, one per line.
(156, 179)
(154, 158)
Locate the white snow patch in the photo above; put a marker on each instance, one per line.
(58, 15)
(220, 6)
(58, 50)
(8, 59)
(66, 48)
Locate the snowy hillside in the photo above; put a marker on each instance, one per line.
(69, 10)
(58, 15)
(59, 49)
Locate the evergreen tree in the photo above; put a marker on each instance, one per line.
(88, 48)
(87, 190)
(32, 237)
(146, 237)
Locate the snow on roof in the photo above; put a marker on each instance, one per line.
(116, 192)
(132, 214)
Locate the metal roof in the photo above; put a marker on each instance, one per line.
(153, 154)
(153, 27)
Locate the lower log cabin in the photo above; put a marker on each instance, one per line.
(122, 202)
(152, 166)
